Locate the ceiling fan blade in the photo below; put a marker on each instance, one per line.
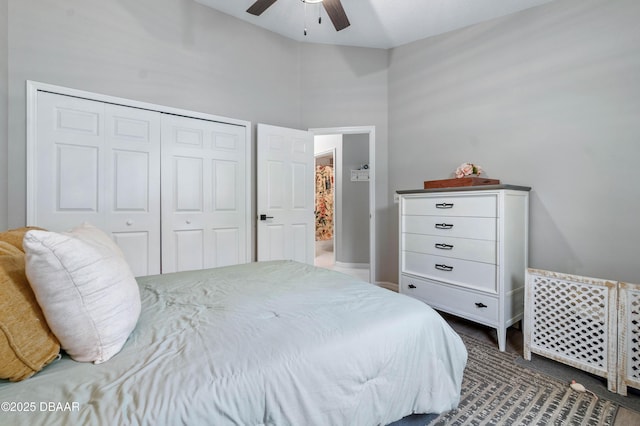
(336, 13)
(260, 6)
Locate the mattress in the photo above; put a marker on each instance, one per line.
(267, 343)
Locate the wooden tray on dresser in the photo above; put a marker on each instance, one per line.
(465, 181)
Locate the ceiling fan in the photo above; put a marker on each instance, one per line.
(333, 8)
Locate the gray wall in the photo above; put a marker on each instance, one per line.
(182, 54)
(347, 86)
(168, 52)
(354, 230)
(548, 98)
(4, 76)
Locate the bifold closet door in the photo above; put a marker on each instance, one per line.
(99, 163)
(204, 200)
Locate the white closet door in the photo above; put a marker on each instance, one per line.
(204, 194)
(67, 165)
(132, 185)
(99, 163)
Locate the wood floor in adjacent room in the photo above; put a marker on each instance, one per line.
(625, 417)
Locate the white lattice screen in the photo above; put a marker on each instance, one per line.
(629, 332)
(572, 320)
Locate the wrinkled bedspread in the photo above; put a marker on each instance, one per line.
(268, 343)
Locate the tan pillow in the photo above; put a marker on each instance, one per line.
(26, 343)
(15, 236)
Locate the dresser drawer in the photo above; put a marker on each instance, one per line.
(461, 205)
(479, 228)
(459, 248)
(465, 273)
(458, 301)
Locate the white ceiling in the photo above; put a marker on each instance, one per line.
(374, 23)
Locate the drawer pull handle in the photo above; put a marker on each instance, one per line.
(443, 267)
(444, 225)
(443, 246)
(480, 305)
(412, 286)
(444, 205)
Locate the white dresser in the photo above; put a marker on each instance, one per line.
(464, 251)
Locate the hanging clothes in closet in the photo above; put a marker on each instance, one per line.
(324, 203)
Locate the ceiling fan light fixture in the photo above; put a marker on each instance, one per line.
(334, 10)
(305, 12)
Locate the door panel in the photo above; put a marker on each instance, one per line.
(68, 163)
(131, 173)
(285, 166)
(276, 181)
(225, 179)
(204, 203)
(99, 163)
(300, 193)
(189, 248)
(137, 249)
(300, 238)
(78, 179)
(132, 185)
(275, 235)
(226, 246)
(188, 137)
(188, 174)
(76, 116)
(134, 130)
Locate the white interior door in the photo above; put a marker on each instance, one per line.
(204, 201)
(99, 163)
(285, 190)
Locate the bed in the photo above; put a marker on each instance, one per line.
(266, 343)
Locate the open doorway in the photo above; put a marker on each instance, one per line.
(343, 240)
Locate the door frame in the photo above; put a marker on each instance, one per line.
(32, 89)
(371, 131)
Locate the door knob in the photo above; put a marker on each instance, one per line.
(265, 217)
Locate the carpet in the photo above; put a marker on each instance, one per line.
(498, 391)
(597, 385)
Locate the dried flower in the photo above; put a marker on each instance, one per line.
(467, 169)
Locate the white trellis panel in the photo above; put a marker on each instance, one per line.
(629, 337)
(572, 320)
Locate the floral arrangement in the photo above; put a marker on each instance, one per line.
(468, 169)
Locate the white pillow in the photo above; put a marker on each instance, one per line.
(85, 288)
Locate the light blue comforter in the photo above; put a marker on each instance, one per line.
(270, 343)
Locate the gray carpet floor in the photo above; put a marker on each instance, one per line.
(628, 414)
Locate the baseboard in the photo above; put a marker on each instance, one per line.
(388, 285)
(352, 265)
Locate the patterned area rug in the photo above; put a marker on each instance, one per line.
(497, 391)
